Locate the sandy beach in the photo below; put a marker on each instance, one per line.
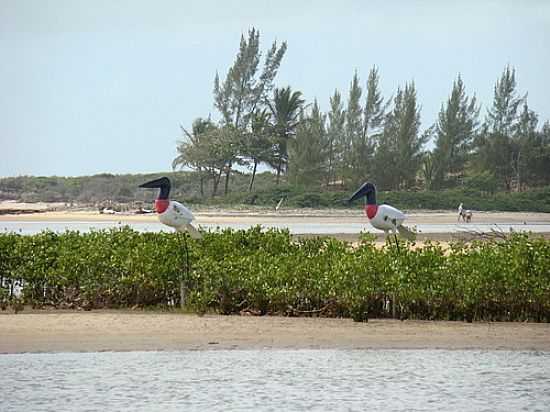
(69, 331)
(212, 215)
(209, 215)
(315, 218)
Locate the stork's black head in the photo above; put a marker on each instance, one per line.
(367, 189)
(163, 184)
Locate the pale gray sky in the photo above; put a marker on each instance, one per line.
(102, 86)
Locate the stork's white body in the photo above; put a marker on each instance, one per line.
(171, 213)
(382, 217)
(179, 217)
(387, 218)
(176, 215)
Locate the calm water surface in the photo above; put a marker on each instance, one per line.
(277, 380)
(26, 227)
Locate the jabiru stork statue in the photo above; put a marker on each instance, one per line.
(176, 215)
(383, 217)
(170, 212)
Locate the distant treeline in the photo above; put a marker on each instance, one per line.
(107, 189)
(363, 135)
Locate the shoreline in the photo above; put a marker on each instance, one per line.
(108, 330)
(315, 217)
(251, 217)
(322, 215)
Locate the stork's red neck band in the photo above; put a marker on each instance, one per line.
(370, 210)
(161, 205)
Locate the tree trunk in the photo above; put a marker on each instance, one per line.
(253, 175)
(201, 181)
(182, 294)
(279, 169)
(518, 173)
(330, 154)
(508, 183)
(184, 275)
(227, 173)
(216, 183)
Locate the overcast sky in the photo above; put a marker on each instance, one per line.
(102, 86)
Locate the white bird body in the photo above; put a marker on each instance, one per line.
(382, 217)
(386, 218)
(170, 212)
(176, 215)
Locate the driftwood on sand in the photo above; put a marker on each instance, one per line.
(21, 211)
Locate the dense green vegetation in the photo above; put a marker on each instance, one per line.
(534, 201)
(269, 273)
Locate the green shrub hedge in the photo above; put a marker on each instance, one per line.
(267, 272)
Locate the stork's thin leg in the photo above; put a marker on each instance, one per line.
(394, 221)
(186, 255)
(396, 242)
(182, 283)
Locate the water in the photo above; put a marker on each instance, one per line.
(277, 380)
(26, 227)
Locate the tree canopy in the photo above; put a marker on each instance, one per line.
(362, 136)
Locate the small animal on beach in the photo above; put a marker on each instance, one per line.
(170, 212)
(383, 217)
(466, 215)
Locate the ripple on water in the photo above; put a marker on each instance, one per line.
(397, 380)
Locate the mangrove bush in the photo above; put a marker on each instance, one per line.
(267, 272)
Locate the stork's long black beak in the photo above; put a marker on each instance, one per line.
(157, 183)
(361, 192)
(163, 184)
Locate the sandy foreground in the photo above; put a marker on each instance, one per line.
(69, 331)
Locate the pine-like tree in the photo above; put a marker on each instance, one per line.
(335, 136)
(502, 116)
(373, 117)
(495, 146)
(353, 130)
(399, 154)
(540, 163)
(455, 130)
(308, 150)
(245, 90)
